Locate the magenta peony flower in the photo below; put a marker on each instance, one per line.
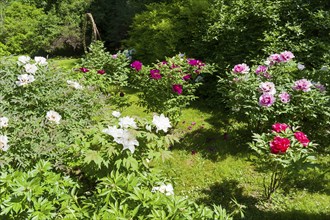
(177, 88)
(267, 75)
(241, 68)
(137, 65)
(286, 56)
(187, 77)
(197, 63)
(302, 84)
(155, 74)
(278, 127)
(261, 69)
(84, 70)
(285, 97)
(101, 72)
(279, 145)
(266, 100)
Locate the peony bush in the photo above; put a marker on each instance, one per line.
(281, 154)
(168, 86)
(278, 90)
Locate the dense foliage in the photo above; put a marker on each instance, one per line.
(230, 31)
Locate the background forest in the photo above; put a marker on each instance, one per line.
(220, 31)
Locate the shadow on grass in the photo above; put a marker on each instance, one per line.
(224, 137)
(223, 192)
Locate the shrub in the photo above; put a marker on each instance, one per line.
(113, 67)
(168, 86)
(276, 92)
(30, 89)
(282, 153)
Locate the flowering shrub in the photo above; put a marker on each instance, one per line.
(168, 86)
(37, 116)
(118, 158)
(281, 153)
(103, 69)
(276, 91)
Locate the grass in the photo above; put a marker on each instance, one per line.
(211, 165)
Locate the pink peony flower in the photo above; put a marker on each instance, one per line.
(279, 145)
(241, 68)
(266, 100)
(285, 97)
(114, 56)
(84, 70)
(302, 138)
(177, 88)
(155, 74)
(302, 84)
(187, 77)
(278, 127)
(286, 56)
(274, 58)
(261, 69)
(137, 65)
(320, 87)
(101, 72)
(267, 87)
(267, 75)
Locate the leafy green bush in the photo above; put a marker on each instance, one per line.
(162, 30)
(114, 67)
(38, 193)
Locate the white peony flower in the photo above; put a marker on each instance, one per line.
(24, 79)
(116, 114)
(23, 60)
(53, 116)
(4, 143)
(128, 141)
(166, 189)
(114, 132)
(30, 68)
(148, 128)
(161, 122)
(74, 84)
(3, 122)
(42, 61)
(300, 66)
(127, 122)
(123, 137)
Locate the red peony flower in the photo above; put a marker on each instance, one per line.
(302, 138)
(278, 127)
(101, 72)
(279, 145)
